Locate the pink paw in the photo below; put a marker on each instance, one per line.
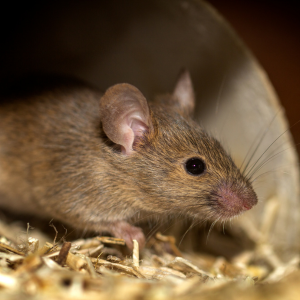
(128, 232)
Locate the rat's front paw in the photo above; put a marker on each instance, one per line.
(128, 232)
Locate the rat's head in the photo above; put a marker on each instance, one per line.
(174, 164)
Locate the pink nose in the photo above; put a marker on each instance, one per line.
(235, 200)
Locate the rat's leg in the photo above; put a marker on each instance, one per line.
(123, 230)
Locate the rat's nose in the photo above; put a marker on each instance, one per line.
(233, 200)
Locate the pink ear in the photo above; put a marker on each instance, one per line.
(125, 116)
(184, 92)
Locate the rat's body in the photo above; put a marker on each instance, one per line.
(61, 158)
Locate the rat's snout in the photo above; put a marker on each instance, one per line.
(233, 200)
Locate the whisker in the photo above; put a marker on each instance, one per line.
(183, 236)
(270, 147)
(223, 226)
(259, 143)
(262, 174)
(211, 227)
(268, 160)
(153, 230)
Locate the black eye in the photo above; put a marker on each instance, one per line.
(195, 166)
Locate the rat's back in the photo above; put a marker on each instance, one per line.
(96, 163)
(43, 126)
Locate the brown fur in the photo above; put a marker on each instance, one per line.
(56, 161)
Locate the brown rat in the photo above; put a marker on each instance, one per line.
(63, 157)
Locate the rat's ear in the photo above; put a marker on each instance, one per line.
(125, 116)
(184, 93)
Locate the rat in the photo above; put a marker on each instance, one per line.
(95, 161)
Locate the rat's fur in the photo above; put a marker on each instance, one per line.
(56, 161)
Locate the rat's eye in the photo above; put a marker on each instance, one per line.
(195, 166)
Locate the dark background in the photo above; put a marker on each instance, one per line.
(271, 29)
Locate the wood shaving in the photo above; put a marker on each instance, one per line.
(160, 271)
(135, 254)
(111, 240)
